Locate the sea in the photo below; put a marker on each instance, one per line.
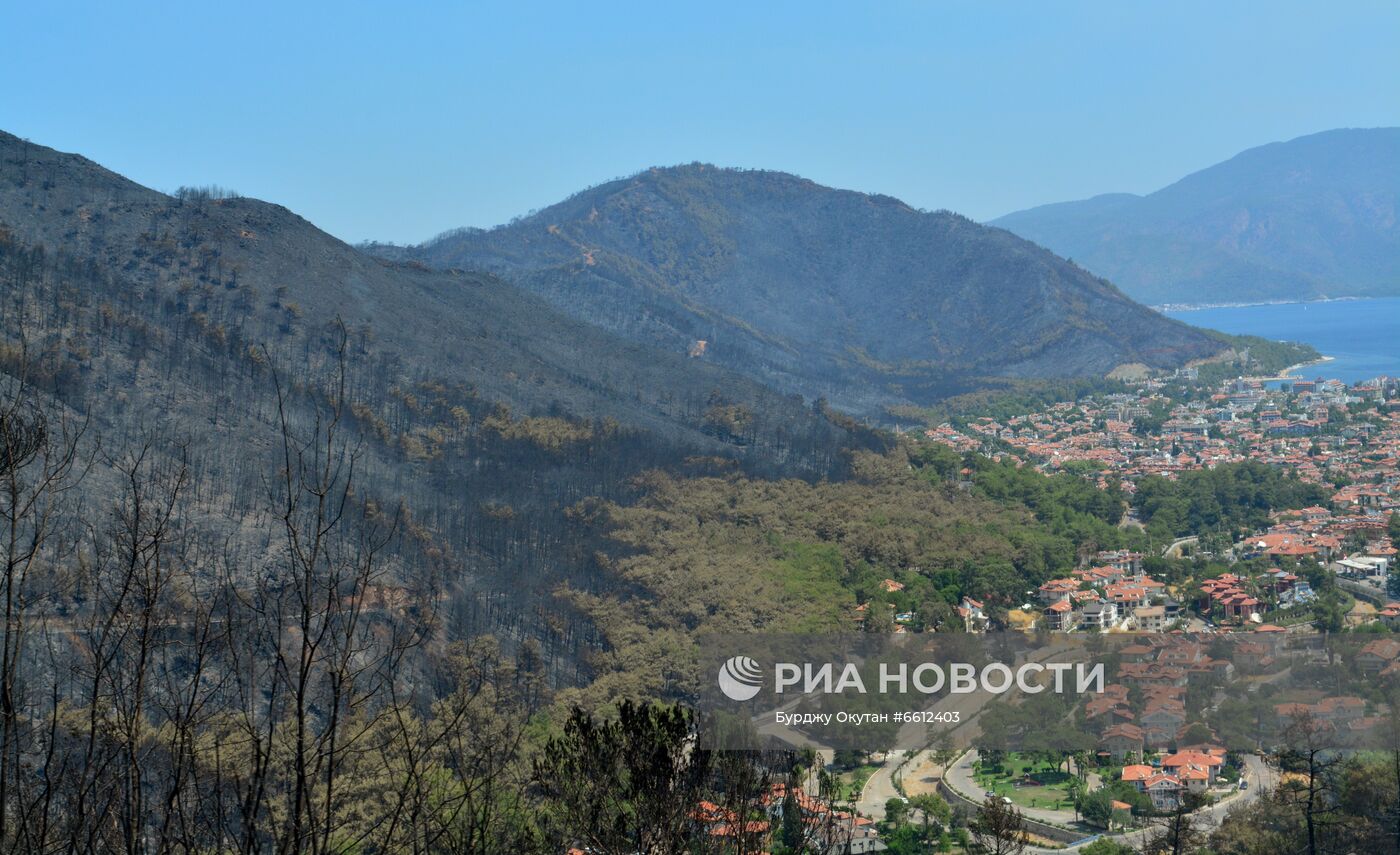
(1361, 336)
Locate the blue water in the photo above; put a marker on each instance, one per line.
(1362, 336)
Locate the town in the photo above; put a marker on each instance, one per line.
(1211, 626)
(1343, 439)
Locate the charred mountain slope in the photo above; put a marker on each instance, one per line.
(858, 298)
(475, 406)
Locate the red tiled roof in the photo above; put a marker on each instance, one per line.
(1191, 758)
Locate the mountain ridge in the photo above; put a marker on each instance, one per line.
(834, 293)
(242, 248)
(207, 329)
(1307, 218)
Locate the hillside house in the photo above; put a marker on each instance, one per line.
(1120, 740)
(1378, 654)
(973, 614)
(1150, 618)
(1098, 615)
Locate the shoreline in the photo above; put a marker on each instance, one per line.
(1288, 372)
(1164, 308)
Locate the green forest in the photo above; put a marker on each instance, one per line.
(1233, 498)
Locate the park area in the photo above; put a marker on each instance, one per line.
(1028, 781)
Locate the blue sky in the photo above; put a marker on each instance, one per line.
(398, 121)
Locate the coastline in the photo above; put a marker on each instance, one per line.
(1196, 307)
(1288, 372)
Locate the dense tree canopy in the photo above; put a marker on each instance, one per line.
(1231, 497)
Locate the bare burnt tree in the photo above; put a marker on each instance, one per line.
(185, 698)
(1176, 833)
(1309, 749)
(131, 609)
(23, 433)
(999, 829)
(477, 731)
(324, 641)
(40, 463)
(826, 829)
(1391, 736)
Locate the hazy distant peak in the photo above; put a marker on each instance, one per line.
(1308, 217)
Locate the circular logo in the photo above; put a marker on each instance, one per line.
(740, 678)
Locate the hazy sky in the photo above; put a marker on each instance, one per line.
(400, 120)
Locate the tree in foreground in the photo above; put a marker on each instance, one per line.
(1177, 832)
(1105, 846)
(999, 829)
(628, 784)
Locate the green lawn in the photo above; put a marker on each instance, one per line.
(1052, 794)
(850, 783)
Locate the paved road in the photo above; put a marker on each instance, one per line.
(960, 777)
(1174, 549)
(880, 788)
(1365, 592)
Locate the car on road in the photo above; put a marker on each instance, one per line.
(1244, 785)
(989, 794)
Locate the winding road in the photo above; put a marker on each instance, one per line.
(881, 787)
(1174, 549)
(1260, 775)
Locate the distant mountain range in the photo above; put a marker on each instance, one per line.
(857, 298)
(1310, 218)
